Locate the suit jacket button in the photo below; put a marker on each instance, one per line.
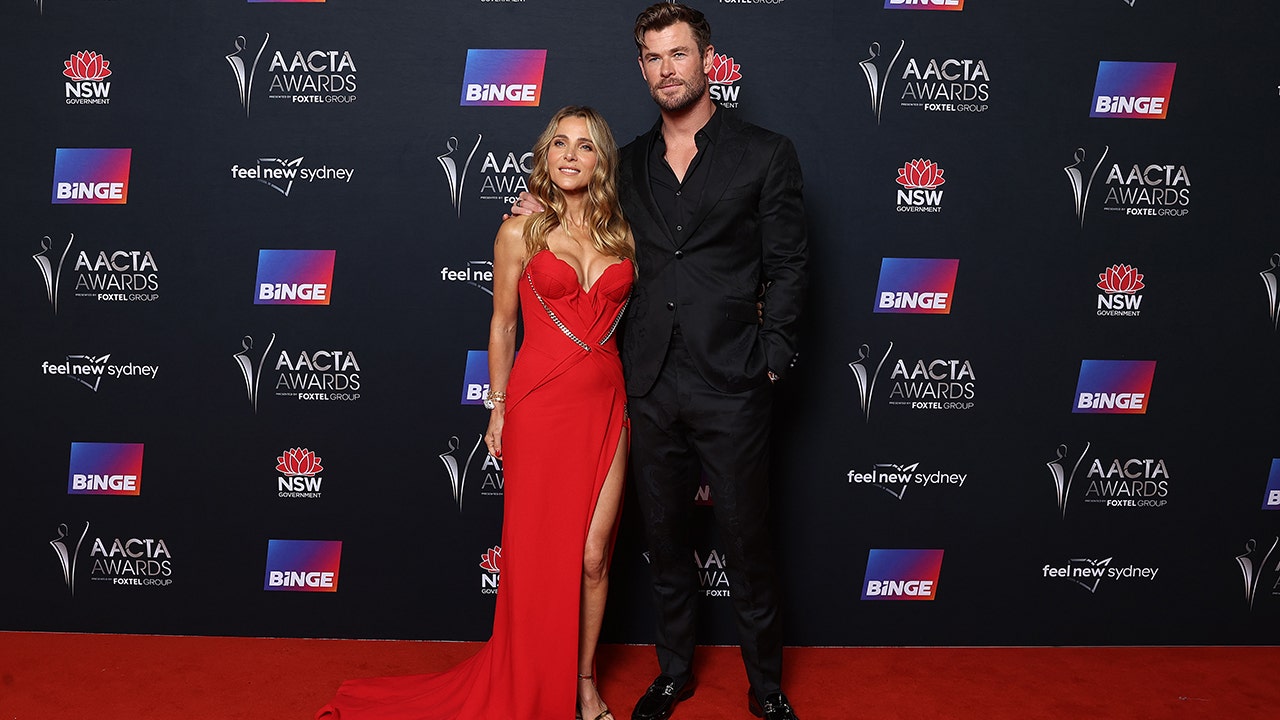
(679, 254)
(671, 306)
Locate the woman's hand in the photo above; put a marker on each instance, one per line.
(493, 436)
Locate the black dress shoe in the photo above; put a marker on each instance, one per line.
(775, 707)
(661, 698)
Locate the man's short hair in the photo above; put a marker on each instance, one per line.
(663, 15)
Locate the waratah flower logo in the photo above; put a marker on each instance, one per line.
(298, 462)
(1121, 279)
(724, 71)
(491, 560)
(920, 174)
(86, 65)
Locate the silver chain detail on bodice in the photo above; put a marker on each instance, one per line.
(563, 328)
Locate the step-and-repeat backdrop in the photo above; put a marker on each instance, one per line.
(248, 280)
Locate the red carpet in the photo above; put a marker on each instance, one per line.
(120, 677)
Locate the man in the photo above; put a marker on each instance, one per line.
(716, 209)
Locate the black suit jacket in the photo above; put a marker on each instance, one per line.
(749, 232)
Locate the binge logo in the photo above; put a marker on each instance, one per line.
(475, 382)
(294, 277)
(98, 176)
(503, 77)
(1272, 499)
(902, 575)
(105, 469)
(303, 565)
(924, 4)
(1133, 90)
(916, 285)
(1114, 386)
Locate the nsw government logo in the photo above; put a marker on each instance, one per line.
(1133, 90)
(1120, 286)
(91, 176)
(105, 469)
(902, 575)
(916, 285)
(87, 72)
(491, 563)
(1120, 387)
(724, 73)
(303, 565)
(294, 277)
(918, 192)
(503, 77)
(299, 476)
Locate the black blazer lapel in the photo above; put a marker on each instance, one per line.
(640, 179)
(730, 148)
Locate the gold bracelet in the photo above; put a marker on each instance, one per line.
(496, 396)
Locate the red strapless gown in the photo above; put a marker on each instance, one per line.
(566, 410)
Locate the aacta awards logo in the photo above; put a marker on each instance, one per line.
(312, 76)
(948, 85)
(315, 375)
(1257, 571)
(1148, 190)
(902, 574)
(303, 565)
(724, 73)
(491, 563)
(478, 467)
(1114, 482)
(713, 578)
(454, 176)
(1120, 286)
(131, 562)
(87, 72)
(877, 71)
(919, 180)
(1271, 279)
(299, 476)
(867, 377)
(107, 276)
(1080, 186)
(91, 176)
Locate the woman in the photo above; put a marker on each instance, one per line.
(558, 421)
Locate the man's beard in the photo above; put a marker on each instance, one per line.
(684, 100)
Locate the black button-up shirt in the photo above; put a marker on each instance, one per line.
(677, 200)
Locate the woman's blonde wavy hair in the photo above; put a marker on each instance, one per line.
(610, 233)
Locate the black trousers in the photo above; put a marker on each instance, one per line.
(681, 426)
